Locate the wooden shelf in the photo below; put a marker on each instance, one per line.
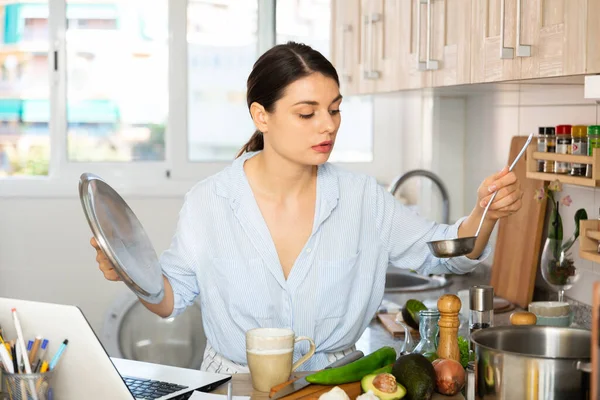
(589, 237)
(567, 179)
(593, 161)
(538, 155)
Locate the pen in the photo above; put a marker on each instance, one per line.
(19, 358)
(13, 351)
(23, 350)
(6, 361)
(34, 350)
(44, 367)
(56, 357)
(20, 341)
(44, 347)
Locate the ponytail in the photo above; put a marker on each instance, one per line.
(256, 143)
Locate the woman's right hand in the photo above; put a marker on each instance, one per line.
(104, 263)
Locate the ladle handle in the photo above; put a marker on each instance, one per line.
(496, 192)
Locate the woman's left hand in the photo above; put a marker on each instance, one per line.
(509, 197)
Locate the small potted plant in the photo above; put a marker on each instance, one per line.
(557, 264)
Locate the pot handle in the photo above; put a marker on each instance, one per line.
(584, 366)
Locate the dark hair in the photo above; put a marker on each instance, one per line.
(280, 66)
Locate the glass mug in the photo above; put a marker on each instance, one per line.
(270, 353)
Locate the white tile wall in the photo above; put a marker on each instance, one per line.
(494, 116)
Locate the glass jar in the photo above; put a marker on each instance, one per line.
(428, 329)
(471, 381)
(593, 135)
(563, 146)
(550, 147)
(579, 148)
(542, 146)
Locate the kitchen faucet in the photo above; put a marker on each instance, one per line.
(393, 188)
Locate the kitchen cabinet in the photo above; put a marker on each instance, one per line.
(493, 35)
(377, 37)
(451, 42)
(408, 50)
(389, 45)
(524, 39)
(553, 37)
(378, 51)
(593, 33)
(345, 39)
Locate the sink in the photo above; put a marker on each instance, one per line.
(402, 281)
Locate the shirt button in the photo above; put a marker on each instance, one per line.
(308, 250)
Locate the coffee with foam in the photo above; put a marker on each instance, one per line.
(270, 355)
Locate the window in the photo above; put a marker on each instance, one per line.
(117, 86)
(24, 89)
(219, 61)
(141, 91)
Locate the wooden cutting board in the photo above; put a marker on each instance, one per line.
(395, 329)
(518, 245)
(353, 390)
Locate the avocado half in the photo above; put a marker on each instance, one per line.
(367, 383)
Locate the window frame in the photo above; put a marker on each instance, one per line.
(176, 174)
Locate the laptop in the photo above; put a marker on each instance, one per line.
(85, 370)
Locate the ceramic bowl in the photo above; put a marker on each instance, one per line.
(561, 321)
(550, 308)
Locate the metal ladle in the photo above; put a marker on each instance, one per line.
(462, 246)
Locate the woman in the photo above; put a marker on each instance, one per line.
(281, 238)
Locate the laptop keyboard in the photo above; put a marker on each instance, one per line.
(150, 389)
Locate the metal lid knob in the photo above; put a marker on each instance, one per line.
(481, 298)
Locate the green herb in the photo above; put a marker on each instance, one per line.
(463, 346)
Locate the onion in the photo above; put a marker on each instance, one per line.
(450, 377)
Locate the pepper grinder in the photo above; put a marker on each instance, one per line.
(449, 307)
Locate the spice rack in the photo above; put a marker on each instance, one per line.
(533, 156)
(589, 237)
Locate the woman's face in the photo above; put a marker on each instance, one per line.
(305, 121)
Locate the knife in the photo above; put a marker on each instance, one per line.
(300, 384)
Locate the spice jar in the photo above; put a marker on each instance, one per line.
(579, 148)
(542, 146)
(550, 147)
(481, 303)
(563, 146)
(593, 135)
(471, 381)
(428, 330)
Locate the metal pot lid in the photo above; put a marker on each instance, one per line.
(122, 237)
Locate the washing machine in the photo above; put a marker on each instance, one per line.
(133, 332)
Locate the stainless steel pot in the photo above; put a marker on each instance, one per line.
(532, 362)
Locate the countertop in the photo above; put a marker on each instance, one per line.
(376, 336)
(242, 386)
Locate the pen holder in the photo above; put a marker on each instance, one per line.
(28, 386)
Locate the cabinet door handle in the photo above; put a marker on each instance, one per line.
(370, 72)
(421, 66)
(429, 63)
(346, 28)
(373, 74)
(365, 50)
(505, 52)
(523, 50)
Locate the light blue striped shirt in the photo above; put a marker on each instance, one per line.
(222, 251)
